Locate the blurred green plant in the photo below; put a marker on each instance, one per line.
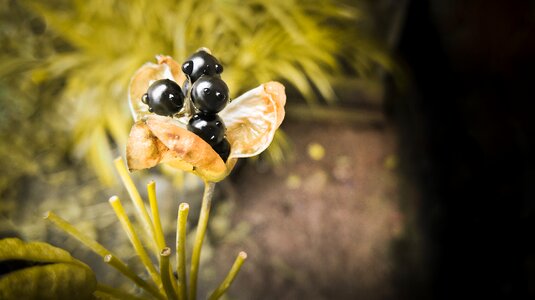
(304, 43)
(33, 135)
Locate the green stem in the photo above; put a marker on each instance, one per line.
(134, 239)
(183, 211)
(199, 237)
(121, 267)
(159, 236)
(116, 293)
(166, 274)
(80, 236)
(223, 287)
(97, 248)
(141, 211)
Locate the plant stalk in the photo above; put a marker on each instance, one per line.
(183, 211)
(223, 287)
(199, 237)
(166, 274)
(159, 236)
(97, 248)
(116, 293)
(134, 239)
(141, 211)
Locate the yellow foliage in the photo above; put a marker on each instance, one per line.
(304, 43)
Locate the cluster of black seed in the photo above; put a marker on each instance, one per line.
(209, 94)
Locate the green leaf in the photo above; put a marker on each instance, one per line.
(42, 271)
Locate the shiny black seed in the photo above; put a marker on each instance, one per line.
(209, 127)
(201, 63)
(187, 67)
(209, 94)
(223, 149)
(164, 97)
(218, 68)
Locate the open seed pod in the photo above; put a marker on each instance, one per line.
(38, 270)
(251, 121)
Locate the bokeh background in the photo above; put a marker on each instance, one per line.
(404, 168)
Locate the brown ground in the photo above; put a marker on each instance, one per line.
(318, 229)
(313, 229)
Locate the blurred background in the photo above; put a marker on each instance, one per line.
(403, 169)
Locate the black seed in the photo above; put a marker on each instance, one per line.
(201, 63)
(205, 126)
(209, 94)
(218, 68)
(223, 149)
(164, 97)
(187, 67)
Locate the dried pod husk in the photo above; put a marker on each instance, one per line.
(251, 121)
(160, 140)
(38, 270)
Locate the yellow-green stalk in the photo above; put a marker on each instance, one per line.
(225, 284)
(183, 211)
(199, 237)
(134, 239)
